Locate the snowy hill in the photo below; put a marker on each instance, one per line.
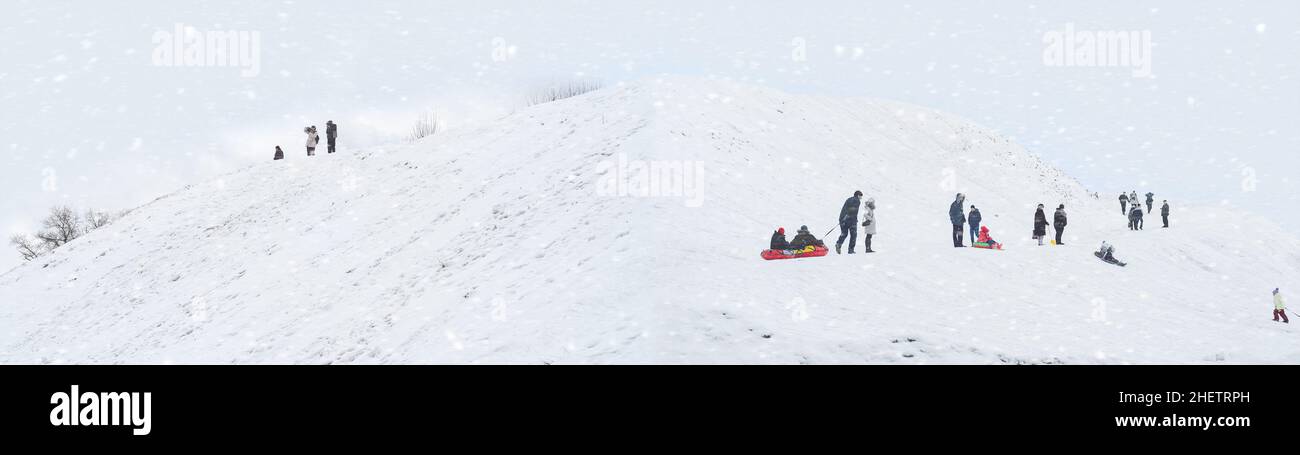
(503, 244)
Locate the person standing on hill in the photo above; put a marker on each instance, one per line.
(1135, 217)
(312, 140)
(331, 133)
(958, 220)
(1164, 212)
(1059, 222)
(849, 222)
(1279, 307)
(974, 220)
(869, 225)
(1123, 203)
(1040, 225)
(1151, 200)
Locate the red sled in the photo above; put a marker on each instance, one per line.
(793, 254)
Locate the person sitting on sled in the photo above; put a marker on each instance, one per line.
(805, 239)
(986, 239)
(1107, 252)
(778, 240)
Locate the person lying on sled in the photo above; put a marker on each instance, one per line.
(778, 240)
(985, 238)
(804, 239)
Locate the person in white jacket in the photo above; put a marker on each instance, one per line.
(1279, 307)
(312, 140)
(869, 224)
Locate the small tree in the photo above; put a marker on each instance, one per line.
(61, 226)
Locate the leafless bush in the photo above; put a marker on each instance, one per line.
(28, 247)
(60, 226)
(425, 126)
(563, 90)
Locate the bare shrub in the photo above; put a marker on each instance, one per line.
(425, 126)
(562, 90)
(60, 226)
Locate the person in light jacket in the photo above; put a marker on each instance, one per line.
(869, 225)
(1279, 307)
(312, 140)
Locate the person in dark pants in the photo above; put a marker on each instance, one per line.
(869, 225)
(1151, 199)
(1164, 212)
(331, 133)
(279, 154)
(973, 221)
(1123, 203)
(1040, 225)
(1058, 222)
(849, 222)
(958, 220)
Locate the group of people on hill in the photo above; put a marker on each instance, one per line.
(313, 139)
(1130, 205)
(959, 221)
(848, 222)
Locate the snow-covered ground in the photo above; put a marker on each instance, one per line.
(495, 244)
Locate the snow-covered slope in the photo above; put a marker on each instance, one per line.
(498, 244)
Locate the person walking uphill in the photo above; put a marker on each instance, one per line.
(331, 133)
(1123, 203)
(974, 220)
(958, 219)
(1059, 222)
(869, 226)
(1164, 213)
(1040, 225)
(849, 222)
(1279, 307)
(1151, 199)
(279, 154)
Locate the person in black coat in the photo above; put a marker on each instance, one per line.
(279, 154)
(1123, 203)
(958, 220)
(849, 222)
(804, 239)
(1164, 213)
(1058, 222)
(331, 133)
(778, 240)
(1040, 224)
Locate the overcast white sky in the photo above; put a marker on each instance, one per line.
(87, 119)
